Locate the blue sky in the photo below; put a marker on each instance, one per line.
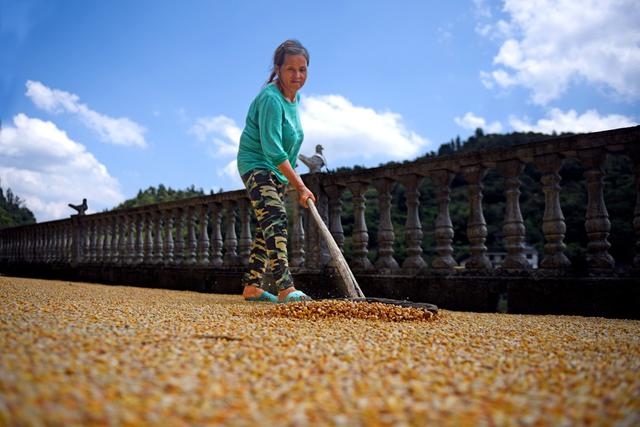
(99, 99)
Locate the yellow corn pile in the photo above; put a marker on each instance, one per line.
(349, 310)
(83, 354)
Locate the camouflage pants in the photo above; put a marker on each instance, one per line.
(270, 240)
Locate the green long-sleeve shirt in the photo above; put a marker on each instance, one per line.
(272, 133)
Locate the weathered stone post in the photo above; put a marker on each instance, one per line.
(386, 236)
(553, 225)
(106, 241)
(115, 238)
(244, 245)
(317, 252)
(86, 242)
(513, 228)
(148, 219)
(203, 240)
(334, 193)
(360, 233)
(122, 240)
(230, 239)
(413, 227)
(77, 238)
(178, 249)
(443, 227)
(191, 235)
(158, 241)
(597, 222)
(216, 235)
(168, 236)
(476, 226)
(138, 256)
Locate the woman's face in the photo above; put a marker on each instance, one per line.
(293, 72)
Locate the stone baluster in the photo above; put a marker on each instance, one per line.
(334, 192)
(178, 251)
(100, 238)
(106, 240)
(635, 157)
(597, 222)
(192, 244)
(131, 239)
(216, 235)
(168, 221)
(54, 243)
(476, 226)
(47, 244)
(69, 241)
(42, 241)
(443, 227)
(21, 249)
(513, 228)
(230, 239)
(413, 227)
(553, 225)
(61, 244)
(244, 245)
(297, 258)
(360, 235)
(78, 239)
(149, 229)
(86, 241)
(115, 240)
(138, 255)
(122, 239)
(158, 241)
(203, 239)
(53, 246)
(386, 236)
(49, 247)
(58, 244)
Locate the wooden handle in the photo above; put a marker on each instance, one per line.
(351, 285)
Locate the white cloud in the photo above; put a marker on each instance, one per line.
(550, 44)
(351, 132)
(570, 121)
(472, 122)
(222, 132)
(47, 169)
(347, 132)
(120, 131)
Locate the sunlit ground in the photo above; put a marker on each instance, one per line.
(86, 354)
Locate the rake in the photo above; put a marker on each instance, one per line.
(354, 293)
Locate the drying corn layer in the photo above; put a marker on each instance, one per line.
(86, 354)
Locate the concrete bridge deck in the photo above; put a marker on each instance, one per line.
(87, 354)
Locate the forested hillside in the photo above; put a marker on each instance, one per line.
(12, 210)
(159, 195)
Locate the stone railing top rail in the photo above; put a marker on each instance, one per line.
(610, 141)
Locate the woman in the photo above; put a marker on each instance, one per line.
(268, 150)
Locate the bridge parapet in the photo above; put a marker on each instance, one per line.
(213, 233)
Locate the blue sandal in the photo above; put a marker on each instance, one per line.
(264, 297)
(296, 296)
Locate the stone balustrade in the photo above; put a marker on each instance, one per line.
(215, 231)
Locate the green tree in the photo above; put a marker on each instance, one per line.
(161, 194)
(13, 212)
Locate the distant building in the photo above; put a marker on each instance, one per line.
(530, 253)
